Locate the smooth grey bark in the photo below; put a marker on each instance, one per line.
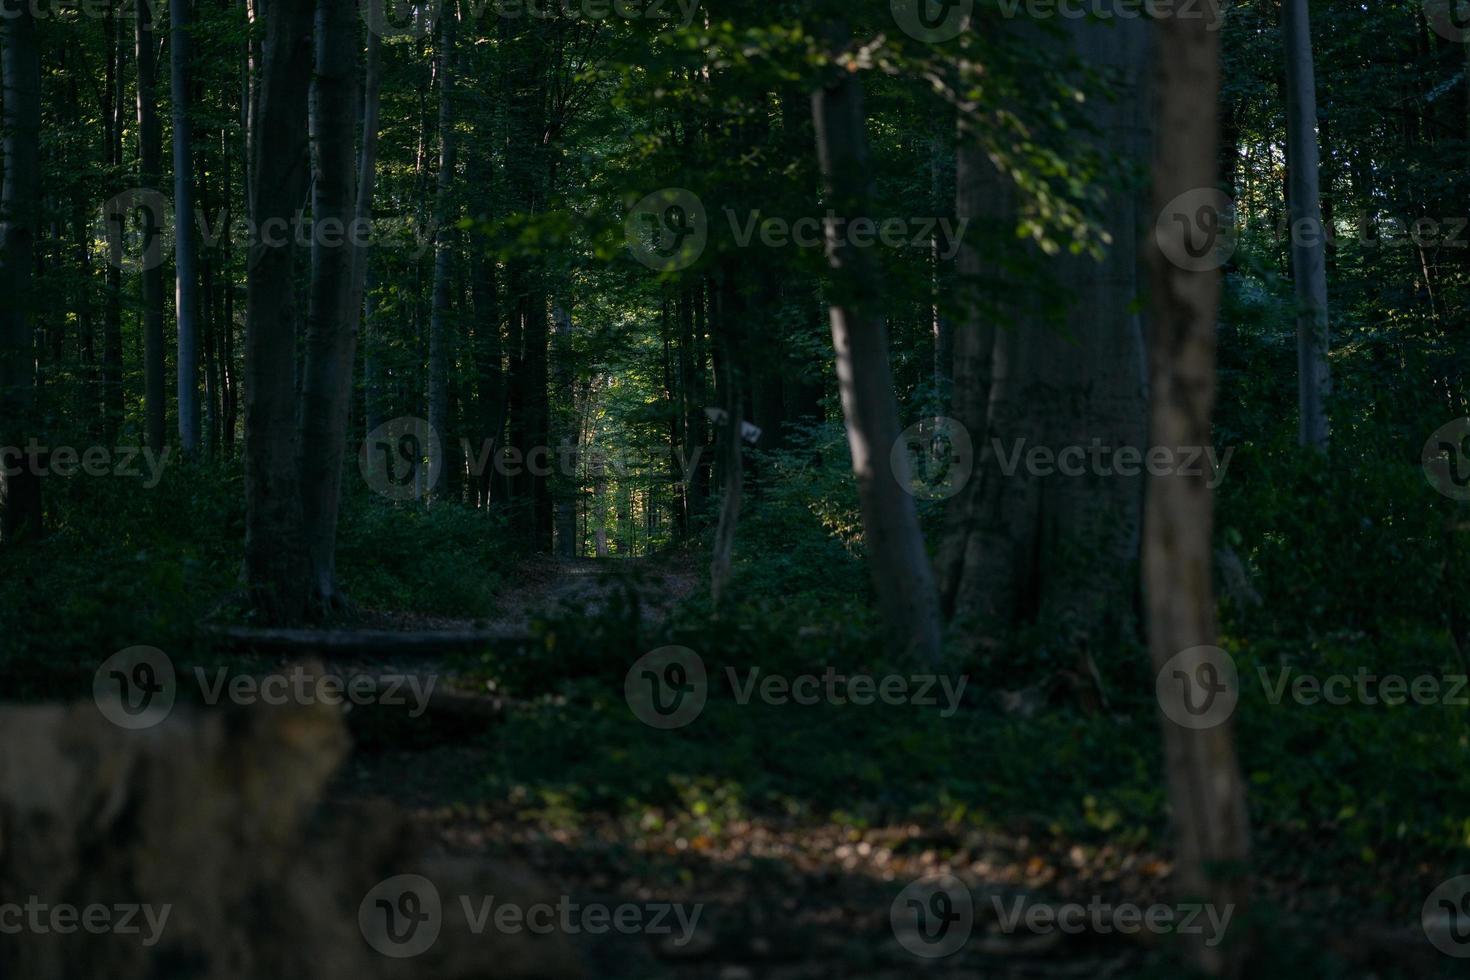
(331, 337)
(20, 75)
(1205, 786)
(367, 175)
(186, 252)
(444, 234)
(902, 577)
(1047, 547)
(276, 570)
(150, 172)
(1308, 237)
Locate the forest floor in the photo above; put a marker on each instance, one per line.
(781, 896)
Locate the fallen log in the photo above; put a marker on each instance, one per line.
(367, 642)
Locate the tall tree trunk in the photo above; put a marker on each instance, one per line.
(331, 325)
(112, 346)
(1205, 786)
(150, 166)
(940, 325)
(186, 256)
(1026, 547)
(895, 545)
(276, 570)
(367, 175)
(444, 236)
(565, 469)
(691, 388)
(1308, 245)
(728, 318)
(488, 347)
(538, 413)
(20, 74)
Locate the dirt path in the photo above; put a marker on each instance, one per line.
(541, 587)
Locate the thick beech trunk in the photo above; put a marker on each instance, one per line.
(276, 569)
(20, 74)
(331, 325)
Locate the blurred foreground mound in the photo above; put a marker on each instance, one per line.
(201, 848)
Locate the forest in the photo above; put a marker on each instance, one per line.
(732, 490)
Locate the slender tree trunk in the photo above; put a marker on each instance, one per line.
(1308, 245)
(367, 175)
(439, 330)
(1205, 786)
(565, 469)
(20, 75)
(276, 570)
(488, 347)
(895, 545)
(186, 255)
(691, 389)
(728, 319)
(150, 165)
(112, 347)
(538, 415)
(940, 325)
(331, 325)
